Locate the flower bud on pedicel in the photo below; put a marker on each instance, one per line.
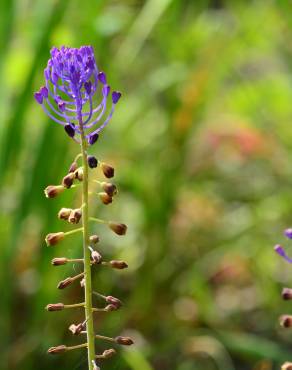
(96, 257)
(92, 139)
(64, 213)
(76, 329)
(68, 180)
(64, 283)
(59, 261)
(52, 191)
(73, 167)
(57, 350)
(107, 170)
(75, 216)
(94, 239)
(109, 188)
(120, 265)
(54, 238)
(105, 198)
(92, 161)
(288, 233)
(111, 307)
(287, 294)
(125, 341)
(79, 174)
(108, 353)
(287, 366)
(55, 307)
(119, 229)
(113, 300)
(286, 321)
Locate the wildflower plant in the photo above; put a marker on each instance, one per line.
(76, 95)
(285, 320)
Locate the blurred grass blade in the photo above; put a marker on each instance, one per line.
(136, 360)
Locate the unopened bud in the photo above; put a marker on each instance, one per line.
(82, 283)
(119, 229)
(68, 180)
(52, 191)
(109, 188)
(287, 366)
(73, 167)
(287, 294)
(96, 257)
(75, 216)
(113, 300)
(94, 239)
(64, 283)
(59, 261)
(64, 213)
(110, 307)
(120, 265)
(125, 341)
(79, 174)
(55, 307)
(107, 170)
(286, 321)
(76, 329)
(105, 198)
(57, 350)
(92, 161)
(108, 353)
(54, 238)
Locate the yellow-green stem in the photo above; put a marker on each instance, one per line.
(86, 254)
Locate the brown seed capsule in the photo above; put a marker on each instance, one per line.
(68, 180)
(75, 216)
(94, 239)
(64, 213)
(79, 174)
(52, 191)
(54, 238)
(125, 341)
(286, 321)
(96, 257)
(120, 265)
(287, 366)
(107, 170)
(55, 307)
(113, 300)
(110, 307)
(59, 261)
(57, 350)
(287, 294)
(108, 353)
(76, 329)
(105, 198)
(109, 188)
(64, 283)
(73, 167)
(119, 229)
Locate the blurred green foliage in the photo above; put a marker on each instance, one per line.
(201, 142)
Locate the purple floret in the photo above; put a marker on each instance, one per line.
(73, 84)
(288, 233)
(280, 250)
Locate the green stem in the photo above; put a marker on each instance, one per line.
(86, 254)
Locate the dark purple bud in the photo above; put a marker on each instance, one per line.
(116, 96)
(280, 250)
(87, 87)
(38, 97)
(62, 106)
(288, 233)
(44, 91)
(92, 161)
(92, 139)
(69, 130)
(102, 77)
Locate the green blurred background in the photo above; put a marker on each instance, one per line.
(202, 146)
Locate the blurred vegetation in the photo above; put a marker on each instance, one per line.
(202, 145)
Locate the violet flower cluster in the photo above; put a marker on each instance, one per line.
(72, 80)
(285, 320)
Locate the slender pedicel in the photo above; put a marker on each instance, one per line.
(76, 95)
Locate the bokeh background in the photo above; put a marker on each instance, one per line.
(202, 146)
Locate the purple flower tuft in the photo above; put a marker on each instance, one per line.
(73, 86)
(288, 233)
